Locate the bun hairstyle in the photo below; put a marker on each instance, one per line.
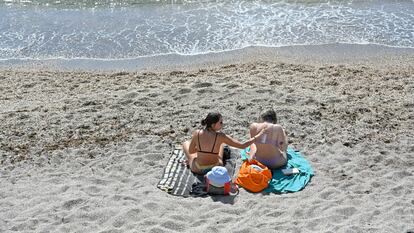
(211, 118)
(268, 116)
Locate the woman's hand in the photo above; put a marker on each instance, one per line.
(263, 131)
(251, 155)
(252, 152)
(280, 148)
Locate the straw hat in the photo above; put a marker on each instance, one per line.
(218, 176)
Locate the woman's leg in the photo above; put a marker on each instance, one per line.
(273, 163)
(190, 157)
(221, 151)
(281, 161)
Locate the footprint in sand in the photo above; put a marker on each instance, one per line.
(154, 156)
(328, 194)
(162, 103)
(138, 160)
(206, 90)
(397, 191)
(151, 206)
(157, 230)
(232, 86)
(199, 223)
(112, 231)
(68, 205)
(375, 184)
(130, 95)
(202, 85)
(173, 225)
(274, 214)
(91, 190)
(346, 211)
(184, 91)
(142, 145)
(118, 222)
(153, 95)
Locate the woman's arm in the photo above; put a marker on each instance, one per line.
(253, 129)
(234, 143)
(193, 147)
(252, 152)
(282, 140)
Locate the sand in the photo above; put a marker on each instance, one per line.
(83, 151)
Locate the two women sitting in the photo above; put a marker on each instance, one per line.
(268, 143)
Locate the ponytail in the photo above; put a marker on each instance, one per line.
(211, 118)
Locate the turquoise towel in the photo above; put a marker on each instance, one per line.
(293, 183)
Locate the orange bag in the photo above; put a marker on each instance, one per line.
(253, 176)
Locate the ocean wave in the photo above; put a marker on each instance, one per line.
(150, 30)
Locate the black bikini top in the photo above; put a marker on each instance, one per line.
(212, 149)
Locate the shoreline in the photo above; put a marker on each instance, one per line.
(333, 54)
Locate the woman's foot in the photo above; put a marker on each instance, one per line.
(186, 163)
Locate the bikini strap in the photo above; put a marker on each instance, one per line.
(214, 144)
(198, 137)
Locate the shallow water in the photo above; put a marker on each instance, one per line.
(131, 29)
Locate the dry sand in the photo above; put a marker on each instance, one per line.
(84, 151)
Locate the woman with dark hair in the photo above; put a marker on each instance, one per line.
(205, 149)
(269, 148)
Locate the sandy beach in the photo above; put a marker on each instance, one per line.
(83, 151)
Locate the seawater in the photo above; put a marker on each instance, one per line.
(93, 29)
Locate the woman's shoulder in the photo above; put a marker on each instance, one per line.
(221, 135)
(255, 125)
(268, 126)
(196, 132)
(261, 125)
(276, 127)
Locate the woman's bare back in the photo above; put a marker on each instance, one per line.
(270, 148)
(209, 147)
